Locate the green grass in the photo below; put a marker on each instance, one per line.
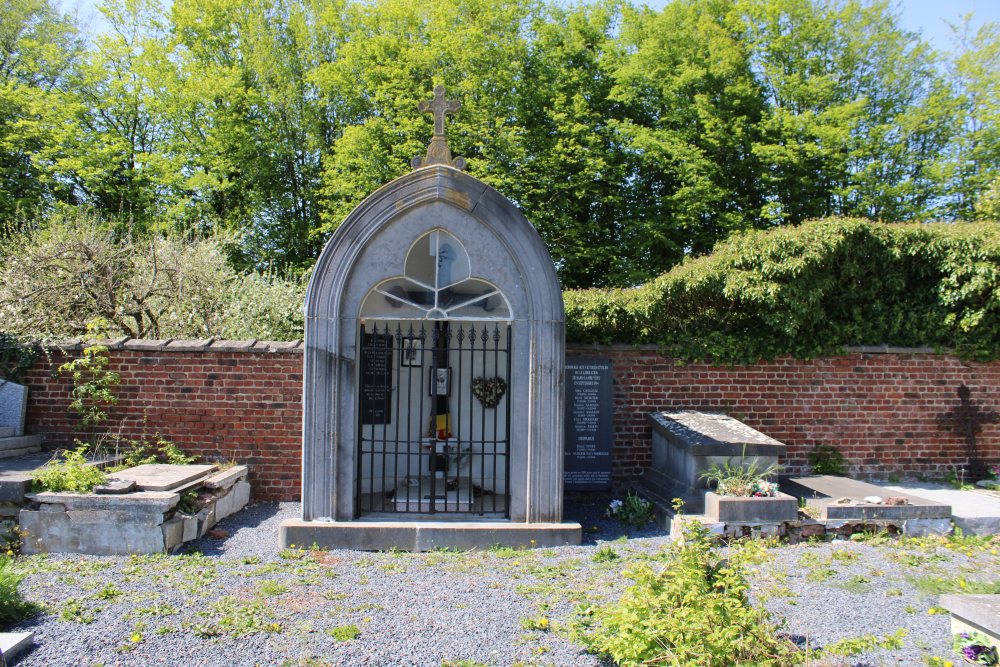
(344, 633)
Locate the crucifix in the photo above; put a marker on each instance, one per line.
(968, 418)
(438, 151)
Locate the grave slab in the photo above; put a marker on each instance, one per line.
(686, 443)
(824, 491)
(975, 613)
(13, 406)
(13, 644)
(975, 512)
(164, 476)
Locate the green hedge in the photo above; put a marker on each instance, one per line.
(812, 290)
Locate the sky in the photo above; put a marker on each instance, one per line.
(927, 17)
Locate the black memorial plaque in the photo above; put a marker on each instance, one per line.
(588, 424)
(376, 378)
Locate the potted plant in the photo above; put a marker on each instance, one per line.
(744, 494)
(975, 648)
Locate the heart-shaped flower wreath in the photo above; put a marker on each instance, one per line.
(489, 391)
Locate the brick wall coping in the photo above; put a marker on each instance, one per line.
(296, 346)
(180, 345)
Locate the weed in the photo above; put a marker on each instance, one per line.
(75, 611)
(692, 611)
(857, 584)
(826, 460)
(13, 607)
(634, 511)
(605, 555)
(344, 633)
(540, 623)
(109, 592)
(70, 472)
(930, 585)
(866, 643)
(270, 588)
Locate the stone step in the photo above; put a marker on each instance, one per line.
(7, 431)
(19, 445)
(13, 644)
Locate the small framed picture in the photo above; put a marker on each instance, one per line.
(413, 352)
(441, 382)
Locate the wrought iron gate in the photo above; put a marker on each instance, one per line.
(433, 416)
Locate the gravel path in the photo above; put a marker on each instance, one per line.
(240, 602)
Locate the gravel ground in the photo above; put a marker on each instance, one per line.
(237, 601)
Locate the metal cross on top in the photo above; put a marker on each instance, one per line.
(438, 151)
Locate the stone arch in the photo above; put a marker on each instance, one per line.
(369, 247)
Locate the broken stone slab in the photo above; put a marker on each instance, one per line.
(226, 478)
(164, 476)
(143, 502)
(233, 501)
(13, 644)
(974, 613)
(115, 487)
(687, 443)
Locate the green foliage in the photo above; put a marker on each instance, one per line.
(691, 611)
(826, 460)
(631, 137)
(13, 607)
(344, 633)
(71, 472)
(86, 269)
(634, 511)
(742, 480)
(811, 290)
(866, 644)
(93, 385)
(16, 357)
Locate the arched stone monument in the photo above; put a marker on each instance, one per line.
(433, 383)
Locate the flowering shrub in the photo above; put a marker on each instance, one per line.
(633, 511)
(975, 648)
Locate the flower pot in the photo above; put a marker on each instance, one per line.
(729, 509)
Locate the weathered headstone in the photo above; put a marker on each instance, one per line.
(13, 406)
(589, 428)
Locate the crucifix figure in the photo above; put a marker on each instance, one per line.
(968, 418)
(438, 151)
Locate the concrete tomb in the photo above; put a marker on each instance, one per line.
(433, 383)
(686, 443)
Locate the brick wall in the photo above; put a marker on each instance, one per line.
(225, 400)
(231, 400)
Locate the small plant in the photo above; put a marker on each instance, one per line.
(93, 383)
(976, 648)
(634, 511)
(745, 480)
(171, 453)
(188, 504)
(13, 607)
(604, 555)
(540, 624)
(692, 610)
(344, 633)
(827, 460)
(72, 473)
